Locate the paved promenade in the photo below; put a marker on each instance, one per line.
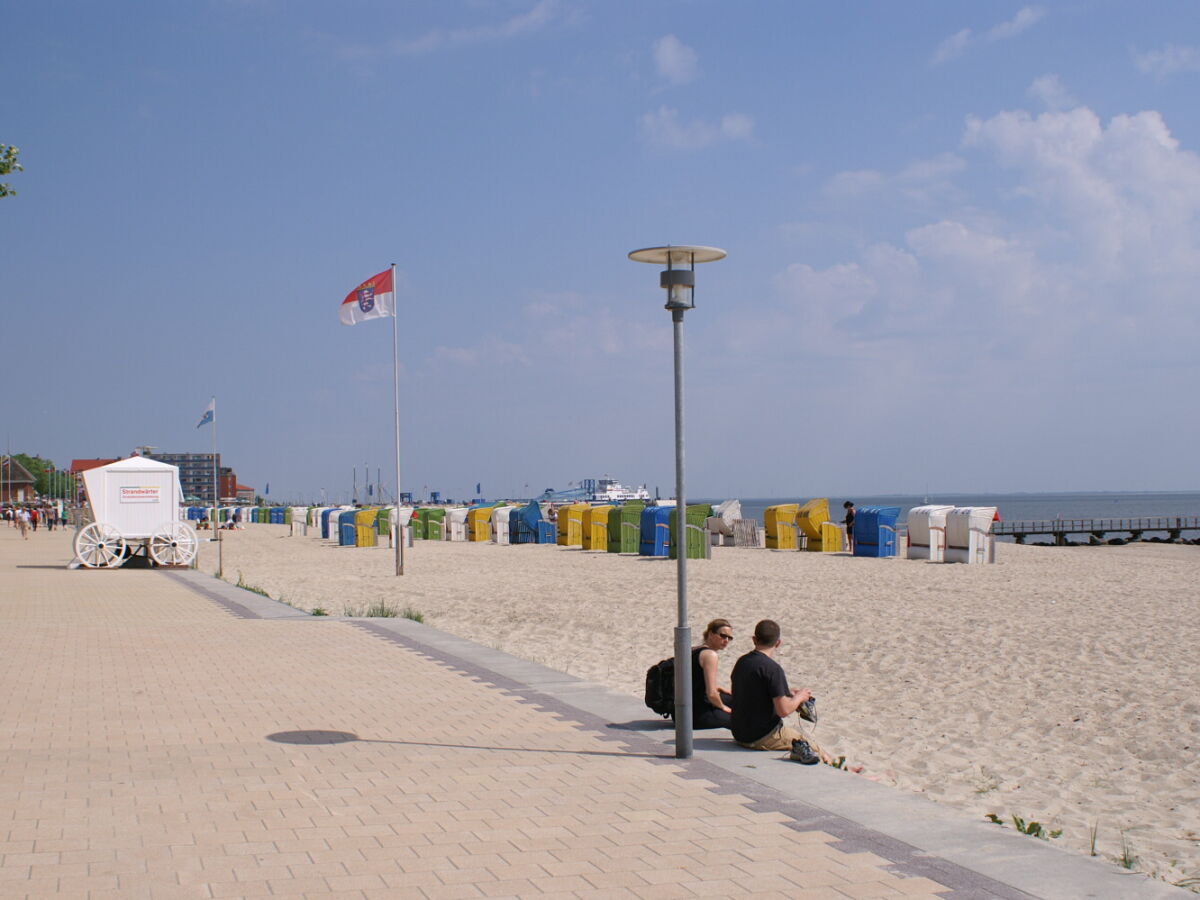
(166, 735)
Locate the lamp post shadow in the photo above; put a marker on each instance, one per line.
(320, 737)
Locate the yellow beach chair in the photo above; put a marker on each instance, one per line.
(811, 519)
(365, 534)
(570, 524)
(780, 524)
(595, 528)
(479, 523)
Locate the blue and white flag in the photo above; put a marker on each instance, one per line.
(209, 412)
(479, 488)
(267, 490)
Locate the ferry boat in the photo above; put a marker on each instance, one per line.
(609, 490)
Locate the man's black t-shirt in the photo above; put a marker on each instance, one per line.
(756, 681)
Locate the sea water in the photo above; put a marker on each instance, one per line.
(1012, 507)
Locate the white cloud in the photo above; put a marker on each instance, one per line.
(1168, 61)
(1092, 253)
(492, 351)
(959, 42)
(854, 183)
(563, 330)
(935, 167)
(541, 14)
(548, 304)
(922, 180)
(953, 46)
(1025, 18)
(737, 127)
(676, 61)
(1128, 196)
(1050, 90)
(664, 130)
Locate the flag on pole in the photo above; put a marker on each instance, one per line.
(267, 490)
(209, 412)
(375, 298)
(478, 488)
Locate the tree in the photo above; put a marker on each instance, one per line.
(37, 467)
(8, 165)
(48, 479)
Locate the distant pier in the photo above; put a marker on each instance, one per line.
(1099, 529)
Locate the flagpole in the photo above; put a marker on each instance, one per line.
(216, 522)
(397, 531)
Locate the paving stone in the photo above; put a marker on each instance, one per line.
(158, 740)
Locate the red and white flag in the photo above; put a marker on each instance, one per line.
(373, 299)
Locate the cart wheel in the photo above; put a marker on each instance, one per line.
(173, 544)
(100, 546)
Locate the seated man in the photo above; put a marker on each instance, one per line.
(764, 700)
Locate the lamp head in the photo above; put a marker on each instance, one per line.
(679, 283)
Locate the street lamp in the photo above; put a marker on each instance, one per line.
(679, 280)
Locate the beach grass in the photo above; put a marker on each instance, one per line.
(254, 589)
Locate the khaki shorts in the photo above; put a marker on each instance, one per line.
(778, 739)
(781, 739)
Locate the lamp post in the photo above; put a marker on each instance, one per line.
(679, 280)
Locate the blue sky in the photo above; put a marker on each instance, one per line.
(962, 240)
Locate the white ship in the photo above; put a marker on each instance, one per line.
(609, 490)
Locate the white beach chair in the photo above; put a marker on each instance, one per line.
(927, 532)
(401, 518)
(456, 524)
(969, 537)
(500, 517)
(720, 524)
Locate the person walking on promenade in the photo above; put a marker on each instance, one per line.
(23, 522)
(762, 699)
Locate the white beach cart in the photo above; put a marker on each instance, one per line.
(134, 506)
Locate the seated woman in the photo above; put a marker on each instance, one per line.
(710, 702)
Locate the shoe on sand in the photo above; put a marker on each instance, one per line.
(803, 753)
(808, 710)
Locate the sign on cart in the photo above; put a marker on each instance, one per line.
(147, 494)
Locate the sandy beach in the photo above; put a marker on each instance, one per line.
(1059, 685)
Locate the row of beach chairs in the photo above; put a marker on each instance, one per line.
(937, 533)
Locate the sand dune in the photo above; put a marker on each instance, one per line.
(1059, 685)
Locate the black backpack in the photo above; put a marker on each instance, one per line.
(660, 687)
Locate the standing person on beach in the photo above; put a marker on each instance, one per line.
(710, 702)
(764, 700)
(849, 521)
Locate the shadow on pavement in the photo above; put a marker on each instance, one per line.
(316, 737)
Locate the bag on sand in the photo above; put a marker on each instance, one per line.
(660, 687)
